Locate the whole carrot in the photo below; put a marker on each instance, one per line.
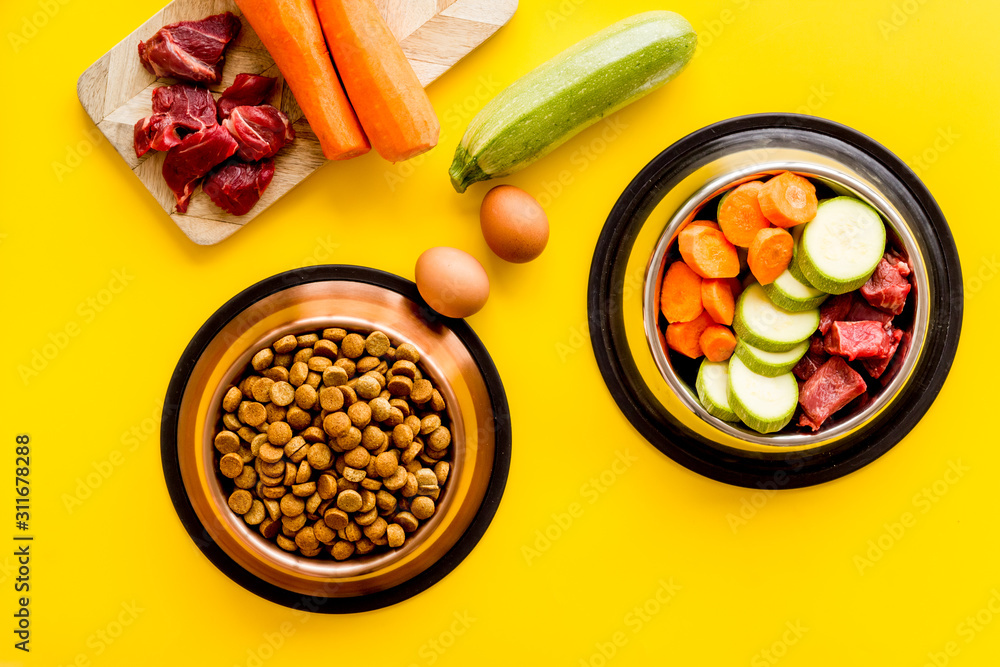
(394, 110)
(290, 31)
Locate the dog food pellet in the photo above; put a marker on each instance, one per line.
(394, 532)
(336, 443)
(422, 507)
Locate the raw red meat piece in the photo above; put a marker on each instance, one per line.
(809, 364)
(247, 90)
(858, 339)
(190, 50)
(175, 108)
(861, 311)
(236, 186)
(188, 162)
(833, 310)
(887, 288)
(899, 261)
(875, 367)
(816, 346)
(896, 361)
(832, 386)
(260, 131)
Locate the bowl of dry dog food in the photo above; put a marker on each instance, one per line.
(775, 301)
(327, 437)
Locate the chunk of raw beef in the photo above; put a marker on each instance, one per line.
(888, 287)
(832, 386)
(247, 90)
(261, 131)
(188, 162)
(176, 109)
(190, 50)
(236, 186)
(876, 367)
(834, 309)
(861, 311)
(858, 340)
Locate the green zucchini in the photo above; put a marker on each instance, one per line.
(765, 404)
(842, 245)
(770, 364)
(792, 294)
(769, 327)
(571, 92)
(712, 385)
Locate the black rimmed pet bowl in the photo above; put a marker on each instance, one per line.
(657, 395)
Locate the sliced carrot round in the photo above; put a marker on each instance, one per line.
(770, 253)
(740, 217)
(788, 200)
(708, 252)
(717, 299)
(685, 337)
(717, 342)
(680, 296)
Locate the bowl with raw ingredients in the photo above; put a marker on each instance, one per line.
(775, 300)
(328, 437)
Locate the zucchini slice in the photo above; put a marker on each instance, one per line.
(769, 327)
(842, 245)
(712, 385)
(792, 294)
(770, 364)
(765, 404)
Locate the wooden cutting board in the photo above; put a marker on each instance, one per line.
(116, 91)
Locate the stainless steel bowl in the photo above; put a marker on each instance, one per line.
(308, 300)
(738, 167)
(629, 261)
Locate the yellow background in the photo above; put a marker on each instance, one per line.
(906, 72)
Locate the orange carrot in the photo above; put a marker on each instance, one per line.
(394, 110)
(704, 223)
(770, 253)
(717, 342)
(708, 253)
(680, 297)
(739, 214)
(717, 299)
(685, 337)
(290, 31)
(788, 200)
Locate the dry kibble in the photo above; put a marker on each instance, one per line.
(407, 352)
(335, 443)
(282, 393)
(252, 413)
(240, 501)
(227, 442)
(360, 414)
(232, 399)
(396, 535)
(231, 465)
(262, 359)
(422, 507)
(279, 433)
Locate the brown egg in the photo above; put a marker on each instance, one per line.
(452, 281)
(514, 224)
